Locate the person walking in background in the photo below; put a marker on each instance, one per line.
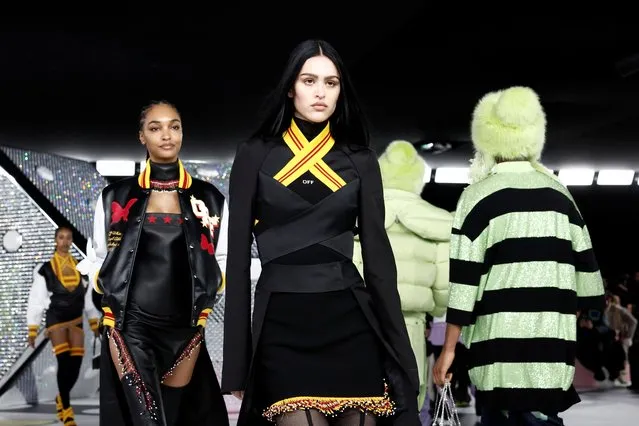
(59, 289)
(624, 325)
(419, 234)
(521, 268)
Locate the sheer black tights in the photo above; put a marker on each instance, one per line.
(315, 418)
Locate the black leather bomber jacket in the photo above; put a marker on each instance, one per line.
(124, 203)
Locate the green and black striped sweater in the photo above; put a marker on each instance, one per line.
(521, 266)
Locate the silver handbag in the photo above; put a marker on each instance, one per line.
(445, 410)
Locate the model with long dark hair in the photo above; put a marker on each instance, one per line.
(325, 345)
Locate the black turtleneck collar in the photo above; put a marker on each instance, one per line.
(310, 130)
(164, 171)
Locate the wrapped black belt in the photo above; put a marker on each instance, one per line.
(318, 278)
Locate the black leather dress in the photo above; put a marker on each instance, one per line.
(157, 334)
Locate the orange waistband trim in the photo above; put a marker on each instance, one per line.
(65, 324)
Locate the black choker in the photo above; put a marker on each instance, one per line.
(164, 172)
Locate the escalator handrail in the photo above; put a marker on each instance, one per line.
(27, 356)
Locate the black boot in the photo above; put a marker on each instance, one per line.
(171, 400)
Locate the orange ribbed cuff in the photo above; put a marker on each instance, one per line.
(203, 317)
(93, 323)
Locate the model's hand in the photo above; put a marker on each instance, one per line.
(32, 341)
(440, 371)
(238, 394)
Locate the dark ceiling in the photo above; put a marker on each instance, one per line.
(74, 85)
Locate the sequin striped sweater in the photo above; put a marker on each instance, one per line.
(521, 266)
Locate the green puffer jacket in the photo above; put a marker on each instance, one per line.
(419, 234)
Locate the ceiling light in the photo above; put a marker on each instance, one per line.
(451, 175)
(115, 167)
(576, 176)
(615, 177)
(433, 148)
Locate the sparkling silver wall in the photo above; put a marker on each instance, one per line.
(215, 172)
(19, 213)
(74, 189)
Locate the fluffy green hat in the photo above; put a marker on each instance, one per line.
(508, 124)
(402, 167)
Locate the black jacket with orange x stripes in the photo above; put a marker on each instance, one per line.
(270, 194)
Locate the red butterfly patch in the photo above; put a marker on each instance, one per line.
(119, 213)
(206, 245)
